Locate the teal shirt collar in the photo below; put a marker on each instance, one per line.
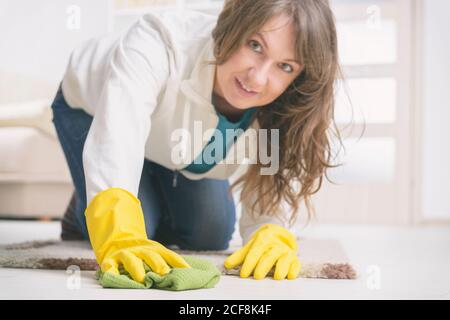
(247, 114)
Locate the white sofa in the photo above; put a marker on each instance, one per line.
(35, 180)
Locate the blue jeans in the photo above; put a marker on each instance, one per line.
(193, 215)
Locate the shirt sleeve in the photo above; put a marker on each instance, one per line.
(113, 154)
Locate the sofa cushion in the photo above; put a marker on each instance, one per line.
(30, 155)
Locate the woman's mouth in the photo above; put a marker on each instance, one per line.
(242, 91)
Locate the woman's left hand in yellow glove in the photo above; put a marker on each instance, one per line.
(271, 245)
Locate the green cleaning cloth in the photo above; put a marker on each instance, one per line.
(203, 274)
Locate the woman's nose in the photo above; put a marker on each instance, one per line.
(259, 76)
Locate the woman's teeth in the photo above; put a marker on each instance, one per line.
(245, 88)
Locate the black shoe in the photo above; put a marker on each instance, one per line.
(69, 227)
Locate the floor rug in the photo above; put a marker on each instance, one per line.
(320, 258)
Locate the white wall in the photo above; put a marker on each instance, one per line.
(35, 40)
(436, 110)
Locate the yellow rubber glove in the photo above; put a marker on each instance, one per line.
(271, 245)
(117, 233)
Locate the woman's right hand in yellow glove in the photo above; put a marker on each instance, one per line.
(117, 233)
(132, 252)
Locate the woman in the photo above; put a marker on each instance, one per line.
(262, 64)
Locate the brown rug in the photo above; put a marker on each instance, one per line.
(320, 258)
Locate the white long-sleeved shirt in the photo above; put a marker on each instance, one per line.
(140, 86)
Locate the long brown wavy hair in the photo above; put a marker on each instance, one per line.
(303, 114)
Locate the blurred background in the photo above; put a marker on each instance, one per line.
(394, 54)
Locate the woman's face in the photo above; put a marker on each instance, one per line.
(264, 67)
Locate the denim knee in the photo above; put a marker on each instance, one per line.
(212, 236)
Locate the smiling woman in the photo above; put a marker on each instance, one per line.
(281, 57)
(258, 73)
(274, 61)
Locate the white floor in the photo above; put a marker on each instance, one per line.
(393, 263)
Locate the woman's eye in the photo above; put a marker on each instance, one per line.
(290, 70)
(254, 43)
